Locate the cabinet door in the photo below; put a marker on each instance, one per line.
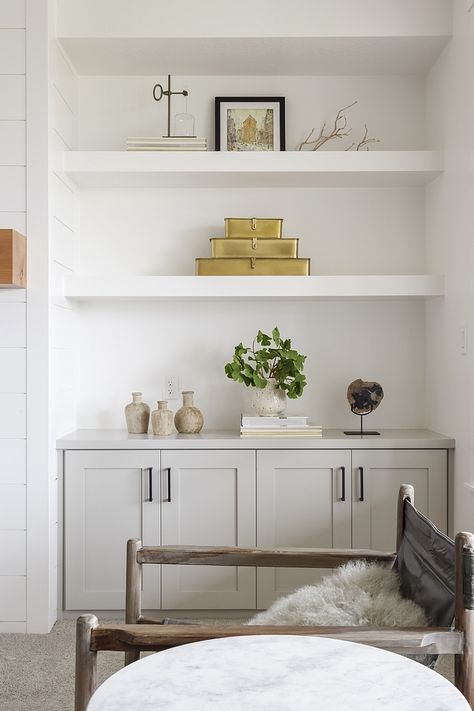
(107, 502)
(300, 503)
(381, 472)
(208, 500)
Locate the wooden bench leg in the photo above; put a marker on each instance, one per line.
(86, 662)
(133, 603)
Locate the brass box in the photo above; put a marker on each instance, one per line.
(252, 267)
(254, 247)
(270, 228)
(12, 259)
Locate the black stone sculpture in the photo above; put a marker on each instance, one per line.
(363, 396)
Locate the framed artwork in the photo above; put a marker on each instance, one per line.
(250, 123)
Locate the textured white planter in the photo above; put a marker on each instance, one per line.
(269, 400)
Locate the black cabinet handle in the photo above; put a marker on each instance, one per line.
(150, 484)
(168, 498)
(343, 484)
(361, 483)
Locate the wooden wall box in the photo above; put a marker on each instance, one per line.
(12, 259)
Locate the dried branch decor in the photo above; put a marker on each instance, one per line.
(364, 142)
(339, 130)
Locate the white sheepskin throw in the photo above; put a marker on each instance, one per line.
(355, 594)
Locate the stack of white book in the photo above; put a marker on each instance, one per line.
(163, 143)
(279, 426)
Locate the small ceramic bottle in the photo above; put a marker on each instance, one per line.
(137, 414)
(188, 419)
(162, 419)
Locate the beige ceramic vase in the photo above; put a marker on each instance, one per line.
(137, 414)
(188, 419)
(162, 419)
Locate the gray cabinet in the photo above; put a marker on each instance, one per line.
(377, 476)
(303, 501)
(106, 502)
(208, 500)
(330, 498)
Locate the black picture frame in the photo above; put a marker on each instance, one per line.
(278, 100)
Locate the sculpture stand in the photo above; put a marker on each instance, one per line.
(361, 432)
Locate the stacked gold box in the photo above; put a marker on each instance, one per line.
(253, 247)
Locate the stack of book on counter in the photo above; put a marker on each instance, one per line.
(173, 143)
(279, 426)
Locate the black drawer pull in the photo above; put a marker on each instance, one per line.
(361, 483)
(343, 484)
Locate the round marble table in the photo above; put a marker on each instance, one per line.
(281, 673)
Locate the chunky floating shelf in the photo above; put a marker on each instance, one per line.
(291, 169)
(261, 38)
(313, 288)
(246, 56)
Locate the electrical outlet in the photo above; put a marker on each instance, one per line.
(463, 341)
(171, 388)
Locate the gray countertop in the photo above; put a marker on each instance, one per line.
(216, 439)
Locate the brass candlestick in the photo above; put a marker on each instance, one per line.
(168, 93)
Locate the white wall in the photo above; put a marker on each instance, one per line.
(63, 256)
(126, 347)
(112, 108)
(12, 323)
(450, 247)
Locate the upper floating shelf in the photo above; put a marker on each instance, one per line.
(111, 37)
(253, 56)
(291, 169)
(269, 288)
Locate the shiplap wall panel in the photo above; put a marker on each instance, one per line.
(12, 507)
(13, 598)
(13, 220)
(13, 475)
(63, 239)
(13, 103)
(12, 14)
(13, 552)
(64, 369)
(12, 370)
(64, 412)
(12, 296)
(10, 627)
(12, 462)
(62, 119)
(63, 327)
(56, 147)
(63, 78)
(63, 199)
(63, 219)
(12, 188)
(13, 325)
(12, 51)
(59, 273)
(12, 415)
(12, 143)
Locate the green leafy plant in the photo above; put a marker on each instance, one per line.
(275, 359)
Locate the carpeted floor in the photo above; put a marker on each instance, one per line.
(37, 671)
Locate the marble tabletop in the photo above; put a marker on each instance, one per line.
(281, 673)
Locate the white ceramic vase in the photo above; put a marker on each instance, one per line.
(269, 400)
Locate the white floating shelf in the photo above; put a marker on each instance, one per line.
(246, 56)
(279, 169)
(192, 38)
(271, 288)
